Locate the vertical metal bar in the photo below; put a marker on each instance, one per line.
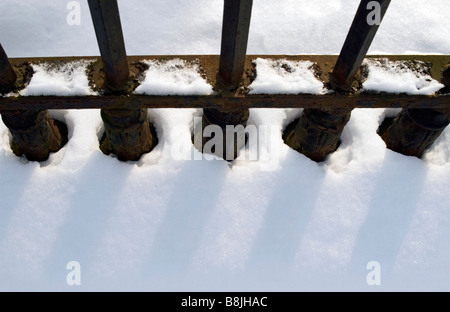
(358, 41)
(317, 132)
(34, 132)
(127, 132)
(108, 28)
(7, 74)
(235, 31)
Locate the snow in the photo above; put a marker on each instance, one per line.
(168, 223)
(69, 79)
(171, 27)
(397, 77)
(283, 76)
(173, 77)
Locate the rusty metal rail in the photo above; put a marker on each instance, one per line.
(209, 65)
(127, 131)
(336, 101)
(357, 44)
(224, 102)
(129, 134)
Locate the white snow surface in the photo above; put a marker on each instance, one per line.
(69, 79)
(396, 77)
(173, 77)
(285, 77)
(168, 223)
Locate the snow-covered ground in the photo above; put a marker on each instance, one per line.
(173, 222)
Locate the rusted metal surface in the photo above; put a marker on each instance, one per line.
(231, 144)
(106, 19)
(209, 65)
(415, 130)
(317, 133)
(240, 100)
(235, 30)
(7, 74)
(34, 133)
(127, 134)
(127, 131)
(357, 44)
(337, 101)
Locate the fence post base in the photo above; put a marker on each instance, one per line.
(317, 133)
(127, 134)
(413, 131)
(222, 119)
(34, 133)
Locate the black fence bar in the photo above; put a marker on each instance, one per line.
(7, 74)
(127, 132)
(108, 28)
(317, 132)
(235, 31)
(337, 101)
(358, 41)
(34, 132)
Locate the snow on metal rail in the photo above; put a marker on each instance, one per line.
(239, 99)
(335, 101)
(316, 133)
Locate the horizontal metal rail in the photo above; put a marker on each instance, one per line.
(209, 65)
(335, 101)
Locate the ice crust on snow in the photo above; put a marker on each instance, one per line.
(173, 77)
(285, 77)
(68, 79)
(399, 77)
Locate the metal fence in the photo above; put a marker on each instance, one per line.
(316, 133)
